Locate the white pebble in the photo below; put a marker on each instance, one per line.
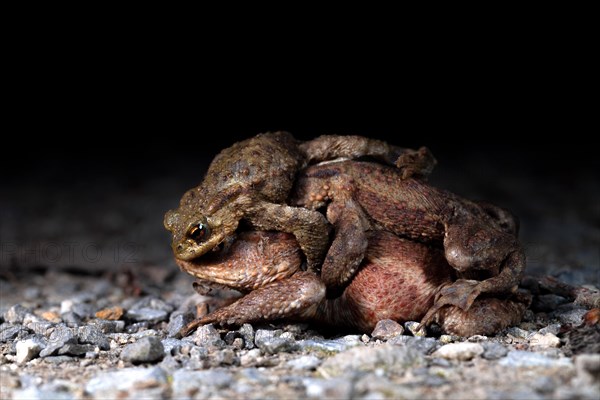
(66, 306)
(459, 351)
(27, 350)
(544, 340)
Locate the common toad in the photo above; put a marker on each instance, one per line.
(398, 279)
(479, 240)
(251, 181)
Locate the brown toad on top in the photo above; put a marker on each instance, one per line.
(251, 180)
(398, 279)
(479, 240)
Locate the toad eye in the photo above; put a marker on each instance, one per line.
(199, 232)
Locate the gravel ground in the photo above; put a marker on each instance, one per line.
(90, 301)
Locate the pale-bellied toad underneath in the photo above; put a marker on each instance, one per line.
(398, 279)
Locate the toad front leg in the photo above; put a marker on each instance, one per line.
(310, 227)
(297, 297)
(349, 244)
(349, 220)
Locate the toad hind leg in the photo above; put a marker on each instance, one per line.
(297, 297)
(310, 227)
(486, 317)
(413, 163)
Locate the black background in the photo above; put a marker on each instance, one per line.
(520, 145)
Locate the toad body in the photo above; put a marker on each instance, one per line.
(398, 279)
(251, 181)
(478, 240)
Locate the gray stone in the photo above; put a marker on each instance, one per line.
(389, 358)
(198, 357)
(118, 338)
(59, 359)
(439, 362)
(147, 315)
(518, 332)
(553, 328)
(29, 349)
(71, 319)
(263, 335)
(274, 341)
(137, 327)
(567, 315)
(208, 336)
(41, 328)
(16, 314)
(84, 310)
(34, 393)
(231, 336)
(147, 349)
(336, 388)
(224, 357)
(9, 332)
(519, 358)
(520, 393)
(144, 333)
(588, 369)
(107, 326)
(32, 319)
(189, 384)
(254, 375)
(387, 329)
(247, 332)
(170, 364)
(379, 387)
(153, 303)
(308, 362)
(172, 346)
(326, 345)
(75, 349)
(277, 345)
(543, 384)
(493, 351)
(93, 335)
(177, 323)
(60, 335)
(424, 345)
(131, 382)
(413, 327)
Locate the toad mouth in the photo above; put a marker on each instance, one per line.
(219, 247)
(220, 251)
